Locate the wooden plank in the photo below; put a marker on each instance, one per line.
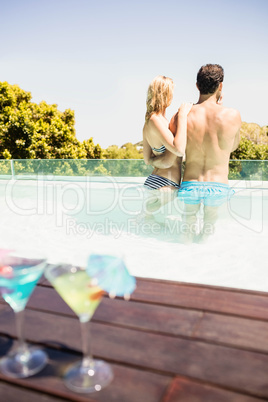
(43, 281)
(11, 393)
(130, 314)
(239, 302)
(235, 369)
(46, 298)
(129, 384)
(223, 329)
(206, 298)
(235, 331)
(160, 319)
(200, 285)
(186, 390)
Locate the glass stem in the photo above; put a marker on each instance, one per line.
(87, 357)
(19, 326)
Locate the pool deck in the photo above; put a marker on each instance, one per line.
(171, 342)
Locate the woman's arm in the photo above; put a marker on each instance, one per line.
(178, 126)
(147, 151)
(176, 146)
(164, 161)
(164, 135)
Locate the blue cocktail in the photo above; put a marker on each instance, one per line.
(18, 278)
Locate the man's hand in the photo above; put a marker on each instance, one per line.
(220, 100)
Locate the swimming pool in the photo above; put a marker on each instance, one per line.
(68, 219)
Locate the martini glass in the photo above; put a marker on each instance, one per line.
(83, 296)
(19, 275)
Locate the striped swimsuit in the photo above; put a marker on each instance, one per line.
(154, 182)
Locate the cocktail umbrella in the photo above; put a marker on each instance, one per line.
(111, 274)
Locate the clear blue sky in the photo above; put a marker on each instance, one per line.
(98, 57)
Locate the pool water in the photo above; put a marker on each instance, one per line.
(68, 220)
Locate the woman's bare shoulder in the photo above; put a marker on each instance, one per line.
(153, 120)
(154, 117)
(157, 121)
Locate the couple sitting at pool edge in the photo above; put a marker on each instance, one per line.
(204, 134)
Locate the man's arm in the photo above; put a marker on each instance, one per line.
(237, 136)
(236, 141)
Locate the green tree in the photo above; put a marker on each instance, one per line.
(247, 149)
(16, 124)
(127, 151)
(92, 151)
(29, 130)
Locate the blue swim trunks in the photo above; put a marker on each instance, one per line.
(211, 193)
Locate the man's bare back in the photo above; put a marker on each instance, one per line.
(212, 134)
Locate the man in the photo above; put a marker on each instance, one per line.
(212, 134)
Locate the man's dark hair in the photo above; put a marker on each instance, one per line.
(209, 78)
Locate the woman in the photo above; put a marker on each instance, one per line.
(158, 139)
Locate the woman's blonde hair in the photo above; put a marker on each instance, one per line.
(159, 95)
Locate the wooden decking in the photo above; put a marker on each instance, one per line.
(172, 342)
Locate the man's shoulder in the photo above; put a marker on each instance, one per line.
(173, 123)
(230, 113)
(174, 118)
(230, 119)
